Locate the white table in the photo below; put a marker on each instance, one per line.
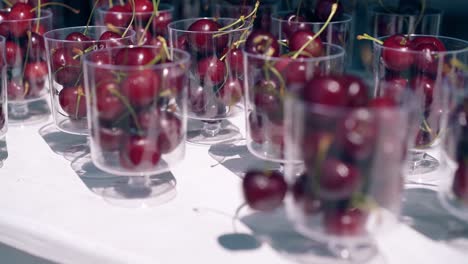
(47, 210)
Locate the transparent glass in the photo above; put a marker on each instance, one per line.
(427, 76)
(267, 82)
(136, 130)
(346, 196)
(64, 59)
(216, 81)
(158, 25)
(27, 73)
(3, 91)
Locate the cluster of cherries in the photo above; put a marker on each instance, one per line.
(25, 52)
(338, 147)
(143, 13)
(216, 82)
(66, 67)
(412, 63)
(135, 108)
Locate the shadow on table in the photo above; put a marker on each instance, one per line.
(67, 145)
(36, 112)
(3, 151)
(235, 156)
(423, 211)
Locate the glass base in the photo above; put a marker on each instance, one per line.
(211, 132)
(423, 168)
(141, 192)
(76, 127)
(28, 113)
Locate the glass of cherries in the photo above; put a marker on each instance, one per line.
(353, 151)
(424, 64)
(216, 74)
(137, 99)
(27, 75)
(3, 91)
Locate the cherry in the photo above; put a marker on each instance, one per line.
(394, 87)
(109, 106)
(396, 53)
(234, 57)
(294, 23)
(141, 87)
(110, 138)
(358, 133)
(170, 132)
(139, 153)
(426, 60)
(202, 35)
(326, 90)
(315, 145)
(77, 37)
(141, 6)
(264, 191)
(323, 9)
(36, 74)
(300, 38)
(256, 127)
(383, 102)
(13, 53)
(304, 196)
(143, 36)
(262, 43)
(424, 86)
(345, 222)
(338, 180)
(63, 57)
(358, 92)
(135, 56)
(211, 70)
(67, 76)
(182, 42)
(160, 23)
(266, 97)
(293, 71)
(20, 13)
(37, 48)
(15, 90)
(73, 102)
(118, 16)
(111, 39)
(231, 92)
(460, 182)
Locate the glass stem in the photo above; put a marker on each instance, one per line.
(211, 128)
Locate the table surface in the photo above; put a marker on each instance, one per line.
(50, 207)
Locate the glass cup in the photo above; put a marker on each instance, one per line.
(27, 73)
(350, 190)
(137, 116)
(216, 79)
(65, 53)
(156, 24)
(426, 74)
(3, 92)
(268, 81)
(224, 8)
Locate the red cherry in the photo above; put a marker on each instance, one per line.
(20, 13)
(358, 92)
(15, 90)
(211, 70)
(37, 48)
(139, 153)
(234, 58)
(300, 38)
(160, 23)
(36, 74)
(135, 56)
(383, 102)
(109, 106)
(262, 43)
(323, 9)
(264, 191)
(424, 87)
(256, 127)
(143, 9)
(170, 132)
(63, 57)
(338, 180)
(427, 47)
(304, 197)
(394, 87)
(345, 222)
(460, 182)
(293, 23)
(231, 92)
(118, 16)
(110, 139)
(67, 76)
(141, 87)
(110, 39)
(396, 53)
(202, 35)
(326, 90)
(14, 54)
(73, 101)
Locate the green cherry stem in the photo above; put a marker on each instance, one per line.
(131, 20)
(111, 4)
(421, 14)
(38, 24)
(8, 3)
(154, 14)
(242, 18)
(26, 90)
(366, 36)
(325, 25)
(96, 2)
(127, 104)
(78, 100)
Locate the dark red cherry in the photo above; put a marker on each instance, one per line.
(231, 92)
(14, 54)
(293, 71)
(141, 6)
(345, 222)
(35, 75)
(73, 101)
(424, 87)
(262, 43)
(293, 23)
(160, 23)
(118, 16)
(143, 36)
(110, 139)
(109, 106)
(394, 87)
(427, 58)
(326, 90)
(202, 35)
(78, 37)
(266, 97)
(110, 39)
(300, 38)
(256, 127)
(67, 76)
(135, 56)
(141, 87)
(182, 42)
(323, 9)
(357, 90)
(460, 182)
(304, 197)
(21, 14)
(170, 132)
(15, 90)
(139, 153)
(396, 53)
(37, 48)
(338, 180)
(264, 191)
(211, 70)
(63, 57)
(234, 58)
(383, 102)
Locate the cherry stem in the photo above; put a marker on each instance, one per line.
(8, 3)
(127, 104)
(458, 64)
(323, 148)
(242, 18)
(164, 44)
(111, 4)
(366, 36)
(78, 100)
(131, 20)
(298, 9)
(283, 43)
(74, 10)
(325, 25)
(154, 14)
(421, 14)
(96, 2)
(38, 16)
(26, 60)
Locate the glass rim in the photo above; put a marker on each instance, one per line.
(447, 52)
(167, 8)
(341, 53)
(45, 14)
(171, 27)
(347, 18)
(48, 35)
(184, 60)
(427, 12)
